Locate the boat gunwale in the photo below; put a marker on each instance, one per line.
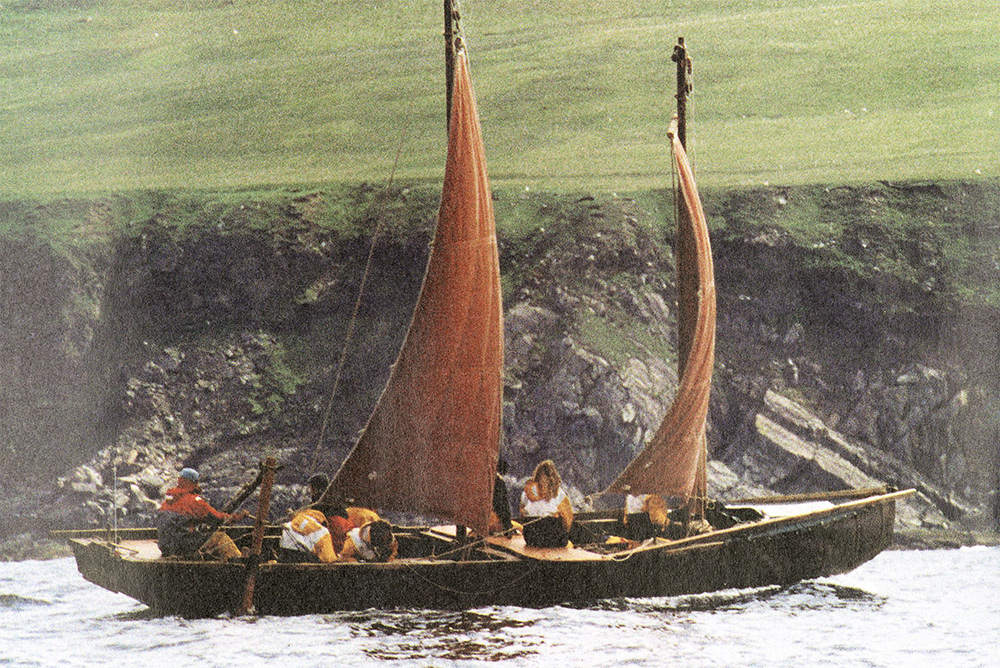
(764, 525)
(743, 531)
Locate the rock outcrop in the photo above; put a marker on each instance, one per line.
(217, 345)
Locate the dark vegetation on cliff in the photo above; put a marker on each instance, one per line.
(146, 331)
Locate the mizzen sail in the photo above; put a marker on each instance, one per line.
(673, 462)
(431, 444)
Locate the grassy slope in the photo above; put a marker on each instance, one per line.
(101, 95)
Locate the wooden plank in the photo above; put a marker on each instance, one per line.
(141, 549)
(840, 495)
(516, 545)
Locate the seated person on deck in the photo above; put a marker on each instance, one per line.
(187, 522)
(500, 520)
(338, 522)
(372, 542)
(646, 515)
(545, 508)
(306, 539)
(318, 482)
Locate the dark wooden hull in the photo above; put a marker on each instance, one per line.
(772, 552)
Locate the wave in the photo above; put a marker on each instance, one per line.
(15, 602)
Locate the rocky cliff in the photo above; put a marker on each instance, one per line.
(857, 340)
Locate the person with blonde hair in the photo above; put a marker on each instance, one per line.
(545, 508)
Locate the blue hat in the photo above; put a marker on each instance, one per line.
(190, 474)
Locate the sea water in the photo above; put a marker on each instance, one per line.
(938, 608)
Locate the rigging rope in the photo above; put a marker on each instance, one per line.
(476, 592)
(314, 463)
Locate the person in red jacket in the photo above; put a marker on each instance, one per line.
(337, 521)
(182, 514)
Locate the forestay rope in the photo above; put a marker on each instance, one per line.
(380, 223)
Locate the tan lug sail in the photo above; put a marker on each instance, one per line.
(673, 462)
(431, 445)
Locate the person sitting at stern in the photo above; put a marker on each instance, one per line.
(187, 522)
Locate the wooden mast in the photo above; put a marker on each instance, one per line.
(688, 287)
(449, 59)
(683, 88)
(452, 36)
(452, 15)
(449, 84)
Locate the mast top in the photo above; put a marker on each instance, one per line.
(680, 56)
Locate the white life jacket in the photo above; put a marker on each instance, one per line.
(361, 546)
(303, 532)
(635, 504)
(542, 507)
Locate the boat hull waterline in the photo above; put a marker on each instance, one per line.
(773, 552)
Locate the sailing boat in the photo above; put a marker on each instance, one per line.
(431, 447)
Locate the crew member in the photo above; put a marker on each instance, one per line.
(646, 515)
(372, 542)
(500, 521)
(187, 522)
(338, 522)
(545, 508)
(306, 538)
(318, 482)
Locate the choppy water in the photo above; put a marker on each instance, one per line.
(935, 608)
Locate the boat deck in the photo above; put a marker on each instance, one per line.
(141, 549)
(515, 544)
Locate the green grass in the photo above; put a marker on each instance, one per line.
(121, 95)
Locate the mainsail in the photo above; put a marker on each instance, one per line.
(673, 462)
(432, 442)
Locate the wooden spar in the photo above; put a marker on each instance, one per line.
(683, 88)
(240, 497)
(688, 291)
(260, 522)
(244, 493)
(449, 58)
(813, 496)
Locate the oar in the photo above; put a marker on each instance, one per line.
(236, 502)
(245, 492)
